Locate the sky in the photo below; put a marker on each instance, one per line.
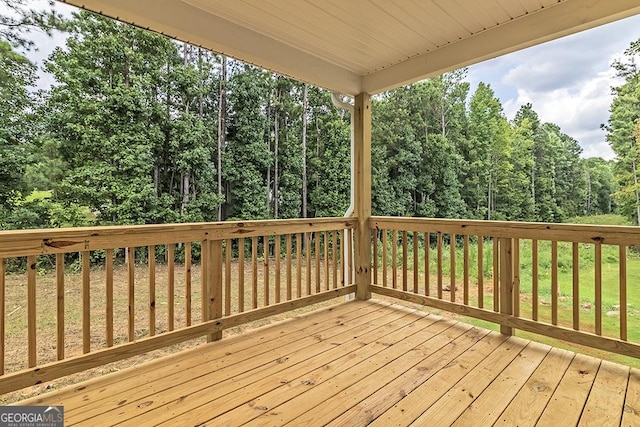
(568, 80)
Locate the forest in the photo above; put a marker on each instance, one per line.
(139, 129)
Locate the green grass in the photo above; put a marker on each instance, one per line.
(609, 219)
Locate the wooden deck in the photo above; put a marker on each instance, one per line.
(361, 363)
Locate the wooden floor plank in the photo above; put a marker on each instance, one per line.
(264, 395)
(525, 409)
(605, 404)
(631, 415)
(568, 399)
(284, 409)
(230, 367)
(152, 378)
(493, 400)
(77, 396)
(451, 405)
(361, 363)
(412, 405)
(395, 381)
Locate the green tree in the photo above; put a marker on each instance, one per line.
(20, 20)
(625, 111)
(247, 157)
(16, 75)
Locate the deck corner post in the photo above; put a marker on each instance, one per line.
(362, 189)
(506, 282)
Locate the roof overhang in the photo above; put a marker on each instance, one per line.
(364, 45)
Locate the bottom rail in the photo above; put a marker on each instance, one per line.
(577, 337)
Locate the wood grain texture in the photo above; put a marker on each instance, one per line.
(51, 371)
(362, 194)
(31, 311)
(59, 306)
(63, 240)
(378, 364)
(610, 235)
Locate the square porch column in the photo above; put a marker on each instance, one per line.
(362, 162)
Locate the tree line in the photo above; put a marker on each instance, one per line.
(140, 129)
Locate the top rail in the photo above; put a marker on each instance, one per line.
(609, 234)
(15, 243)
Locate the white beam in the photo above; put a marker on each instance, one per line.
(561, 19)
(188, 23)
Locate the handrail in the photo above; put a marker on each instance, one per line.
(543, 278)
(147, 275)
(62, 240)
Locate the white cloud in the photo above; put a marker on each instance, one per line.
(568, 81)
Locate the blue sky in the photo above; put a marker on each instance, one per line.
(568, 81)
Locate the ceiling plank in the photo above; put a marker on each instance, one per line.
(190, 24)
(561, 19)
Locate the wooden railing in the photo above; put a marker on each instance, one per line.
(73, 299)
(569, 282)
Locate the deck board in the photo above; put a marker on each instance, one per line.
(361, 363)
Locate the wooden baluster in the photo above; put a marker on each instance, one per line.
(204, 283)
(350, 251)
(60, 306)
(374, 241)
(427, 271)
(480, 272)
(465, 271)
(289, 268)
(171, 256)
(31, 310)
(506, 281)
(554, 283)
(623, 292)
(241, 275)
(496, 274)
(86, 302)
(516, 277)
(108, 266)
(151, 264)
(187, 282)
(131, 277)
(439, 265)
(228, 251)
(385, 257)
(452, 266)
(334, 253)
(277, 272)
(317, 259)
(394, 259)
(534, 280)
(254, 272)
(576, 286)
(598, 287)
(405, 255)
(308, 263)
(326, 261)
(298, 265)
(215, 266)
(267, 286)
(416, 276)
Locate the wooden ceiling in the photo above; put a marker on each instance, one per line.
(354, 46)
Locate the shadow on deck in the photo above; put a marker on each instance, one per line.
(361, 363)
